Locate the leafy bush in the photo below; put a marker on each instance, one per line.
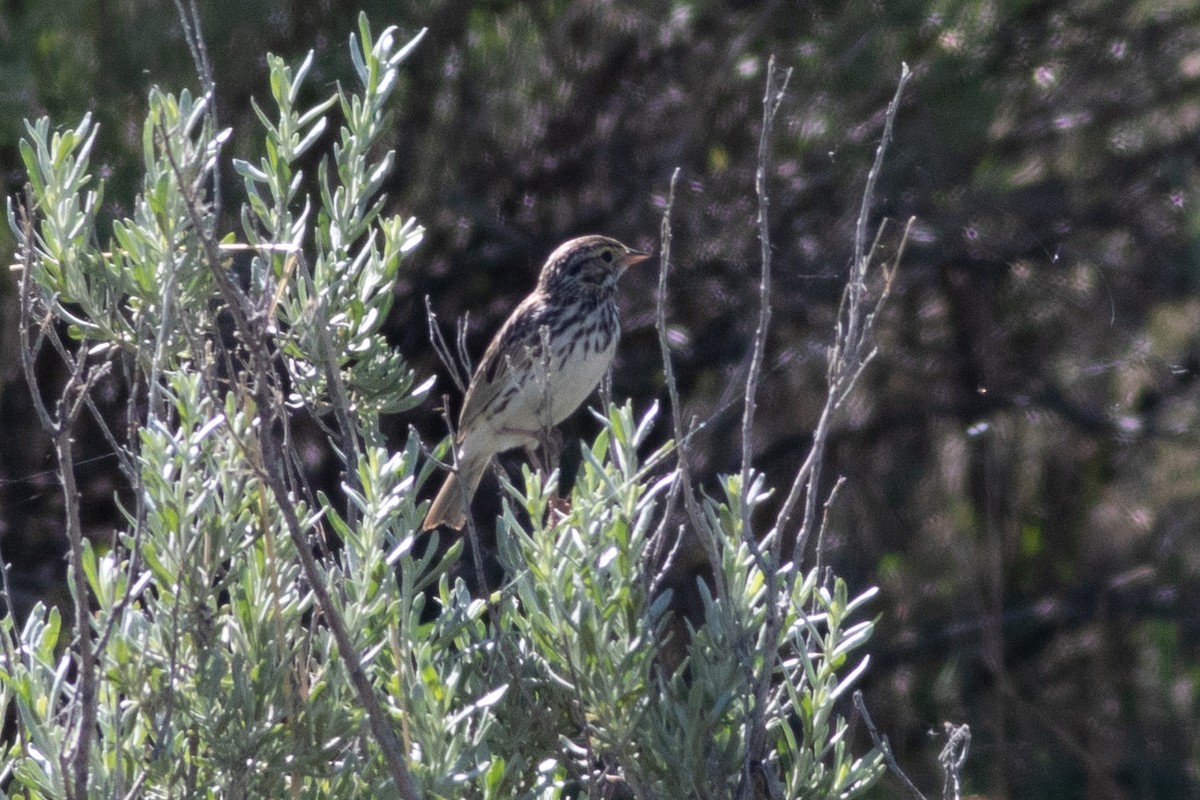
(246, 636)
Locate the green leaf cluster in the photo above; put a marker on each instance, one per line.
(215, 669)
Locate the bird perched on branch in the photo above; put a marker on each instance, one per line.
(544, 362)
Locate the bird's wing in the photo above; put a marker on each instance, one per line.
(513, 349)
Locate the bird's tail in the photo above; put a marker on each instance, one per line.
(453, 500)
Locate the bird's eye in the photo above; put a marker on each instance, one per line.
(607, 255)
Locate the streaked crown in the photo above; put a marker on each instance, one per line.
(587, 264)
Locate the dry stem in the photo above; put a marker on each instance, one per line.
(251, 329)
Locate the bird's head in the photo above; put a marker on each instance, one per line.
(589, 263)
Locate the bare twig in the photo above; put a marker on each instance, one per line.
(135, 790)
(868, 199)
(660, 317)
(29, 350)
(459, 368)
(829, 501)
(66, 413)
(125, 461)
(460, 341)
(771, 101)
(251, 328)
(80, 384)
(846, 359)
(60, 427)
(757, 740)
(695, 513)
(881, 743)
(952, 758)
(343, 407)
(189, 19)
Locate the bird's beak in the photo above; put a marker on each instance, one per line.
(632, 257)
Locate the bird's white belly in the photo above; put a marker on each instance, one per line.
(573, 384)
(558, 388)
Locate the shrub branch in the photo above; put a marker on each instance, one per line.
(250, 327)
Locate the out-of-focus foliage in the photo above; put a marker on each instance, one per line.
(1021, 459)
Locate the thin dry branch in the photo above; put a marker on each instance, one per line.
(952, 758)
(68, 410)
(339, 399)
(848, 358)
(29, 350)
(459, 368)
(757, 743)
(60, 427)
(251, 329)
(695, 513)
(189, 19)
(884, 746)
(126, 462)
(772, 98)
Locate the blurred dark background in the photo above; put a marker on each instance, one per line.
(1022, 459)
